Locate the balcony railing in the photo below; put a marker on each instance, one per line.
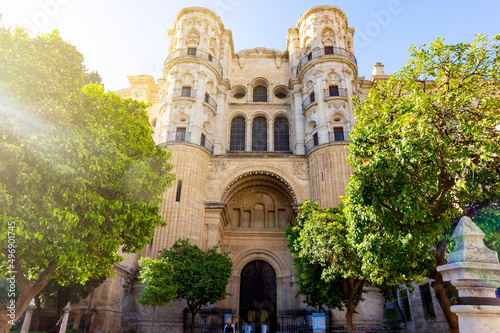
(188, 93)
(326, 51)
(308, 101)
(338, 136)
(312, 143)
(178, 136)
(195, 53)
(186, 137)
(332, 137)
(207, 144)
(210, 101)
(338, 92)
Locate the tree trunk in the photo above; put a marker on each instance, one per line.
(193, 314)
(153, 323)
(440, 291)
(350, 324)
(26, 291)
(37, 314)
(4, 321)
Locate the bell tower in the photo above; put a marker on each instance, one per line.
(323, 78)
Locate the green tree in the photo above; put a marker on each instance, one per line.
(56, 295)
(488, 219)
(80, 176)
(201, 277)
(320, 237)
(318, 293)
(160, 290)
(426, 150)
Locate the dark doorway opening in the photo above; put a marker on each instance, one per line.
(258, 311)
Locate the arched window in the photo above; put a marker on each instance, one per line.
(237, 141)
(281, 134)
(260, 94)
(259, 134)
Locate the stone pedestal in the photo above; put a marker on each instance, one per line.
(64, 323)
(475, 271)
(27, 318)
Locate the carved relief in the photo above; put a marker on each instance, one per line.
(183, 105)
(337, 105)
(241, 61)
(301, 170)
(210, 86)
(278, 60)
(193, 38)
(216, 167)
(317, 72)
(187, 79)
(347, 71)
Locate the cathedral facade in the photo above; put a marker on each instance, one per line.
(253, 134)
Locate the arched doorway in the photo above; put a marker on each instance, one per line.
(258, 312)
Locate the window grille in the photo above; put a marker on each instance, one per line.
(260, 94)
(281, 134)
(259, 134)
(237, 140)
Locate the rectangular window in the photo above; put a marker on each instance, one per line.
(209, 57)
(186, 92)
(312, 97)
(333, 90)
(203, 139)
(427, 306)
(179, 189)
(207, 97)
(309, 56)
(315, 139)
(180, 134)
(191, 51)
(328, 49)
(338, 132)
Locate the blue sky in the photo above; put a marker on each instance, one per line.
(120, 38)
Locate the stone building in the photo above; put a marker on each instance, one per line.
(253, 134)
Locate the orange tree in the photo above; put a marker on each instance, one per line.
(80, 176)
(426, 150)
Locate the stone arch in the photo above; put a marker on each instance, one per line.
(272, 258)
(338, 116)
(282, 114)
(296, 191)
(259, 81)
(237, 114)
(259, 114)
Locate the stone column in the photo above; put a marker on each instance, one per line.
(270, 135)
(27, 318)
(248, 135)
(300, 133)
(64, 323)
(475, 271)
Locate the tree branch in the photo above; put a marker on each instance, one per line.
(360, 293)
(21, 280)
